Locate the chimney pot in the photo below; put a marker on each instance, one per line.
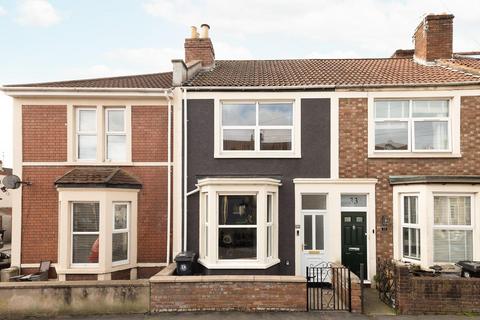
(205, 28)
(193, 32)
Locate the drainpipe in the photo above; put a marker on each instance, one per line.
(169, 173)
(185, 131)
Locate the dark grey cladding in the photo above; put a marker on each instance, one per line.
(314, 163)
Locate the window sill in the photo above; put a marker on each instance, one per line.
(94, 269)
(386, 155)
(239, 264)
(236, 155)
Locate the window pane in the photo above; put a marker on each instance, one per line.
(269, 241)
(452, 210)
(452, 245)
(307, 232)
(85, 217)
(314, 202)
(431, 135)
(319, 232)
(116, 120)
(116, 148)
(391, 136)
(237, 243)
(406, 242)
(276, 139)
(410, 209)
(269, 207)
(120, 246)
(425, 109)
(239, 139)
(120, 216)
(353, 200)
(413, 242)
(206, 208)
(87, 120)
(239, 114)
(85, 248)
(279, 114)
(391, 109)
(237, 210)
(87, 147)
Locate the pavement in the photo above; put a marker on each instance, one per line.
(267, 316)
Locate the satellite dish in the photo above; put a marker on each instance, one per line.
(12, 182)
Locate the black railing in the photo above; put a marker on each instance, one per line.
(328, 287)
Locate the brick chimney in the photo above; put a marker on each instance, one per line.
(433, 38)
(199, 47)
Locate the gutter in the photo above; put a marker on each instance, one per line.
(169, 172)
(185, 177)
(77, 91)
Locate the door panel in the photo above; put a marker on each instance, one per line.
(354, 241)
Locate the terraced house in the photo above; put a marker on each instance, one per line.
(276, 165)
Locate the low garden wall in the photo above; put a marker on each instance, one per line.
(221, 293)
(51, 298)
(435, 295)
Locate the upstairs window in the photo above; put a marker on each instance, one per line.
(86, 134)
(257, 128)
(412, 126)
(115, 135)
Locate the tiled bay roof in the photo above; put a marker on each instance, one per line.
(95, 177)
(328, 73)
(144, 81)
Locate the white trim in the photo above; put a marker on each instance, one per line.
(120, 231)
(151, 264)
(119, 164)
(238, 181)
(332, 222)
(295, 128)
(17, 194)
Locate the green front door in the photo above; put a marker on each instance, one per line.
(354, 241)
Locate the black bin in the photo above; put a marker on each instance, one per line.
(470, 269)
(186, 263)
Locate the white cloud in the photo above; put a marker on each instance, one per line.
(225, 50)
(37, 13)
(3, 12)
(144, 59)
(363, 28)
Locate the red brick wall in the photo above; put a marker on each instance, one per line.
(199, 49)
(40, 214)
(121, 275)
(149, 133)
(44, 133)
(80, 277)
(228, 295)
(354, 162)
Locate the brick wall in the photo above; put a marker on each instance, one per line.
(199, 49)
(354, 162)
(44, 133)
(435, 41)
(438, 295)
(221, 293)
(149, 133)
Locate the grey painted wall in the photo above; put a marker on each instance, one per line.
(314, 163)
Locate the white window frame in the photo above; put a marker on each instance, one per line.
(125, 230)
(411, 121)
(72, 233)
(448, 227)
(270, 224)
(79, 133)
(101, 133)
(216, 187)
(409, 225)
(294, 152)
(115, 133)
(453, 126)
(314, 213)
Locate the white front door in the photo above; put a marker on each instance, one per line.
(313, 230)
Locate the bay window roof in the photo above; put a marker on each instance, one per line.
(441, 179)
(105, 177)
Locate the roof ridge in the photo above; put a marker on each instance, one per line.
(89, 79)
(309, 59)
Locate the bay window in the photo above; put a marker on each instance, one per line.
(85, 232)
(412, 125)
(238, 227)
(120, 232)
(258, 129)
(410, 227)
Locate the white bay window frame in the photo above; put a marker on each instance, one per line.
(211, 189)
(426, 194)
(454, 105)
(106, 199)
(410, 226)
(295, 127)
(121, 230)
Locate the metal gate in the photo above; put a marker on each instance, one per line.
(328, 287)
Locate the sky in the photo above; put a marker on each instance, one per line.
(48, 40)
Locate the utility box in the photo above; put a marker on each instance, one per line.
(186, 263)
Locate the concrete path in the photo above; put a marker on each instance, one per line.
(267, 316)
